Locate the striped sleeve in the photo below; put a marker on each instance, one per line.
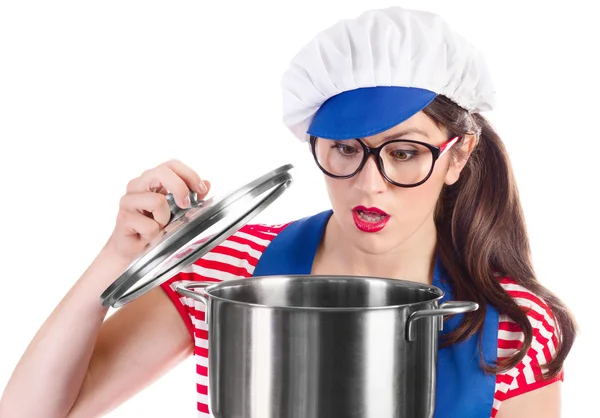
(527, 375)
(234, 258)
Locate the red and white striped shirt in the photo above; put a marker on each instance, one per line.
(237, 257)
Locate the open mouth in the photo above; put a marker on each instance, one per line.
(370, 219)
(371, 216)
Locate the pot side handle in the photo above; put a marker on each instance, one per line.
(184, 289)
(446, 308)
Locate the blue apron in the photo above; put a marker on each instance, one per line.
(463, 390)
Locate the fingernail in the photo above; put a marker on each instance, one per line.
(202, 187)
(186, 201)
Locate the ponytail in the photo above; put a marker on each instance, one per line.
(482, 234)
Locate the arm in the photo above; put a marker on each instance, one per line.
(136, 345)
(541, 403)
(78, 364)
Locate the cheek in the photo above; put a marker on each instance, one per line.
(417, 203)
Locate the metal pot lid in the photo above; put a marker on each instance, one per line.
(180, 244)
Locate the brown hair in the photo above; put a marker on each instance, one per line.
(481, 230)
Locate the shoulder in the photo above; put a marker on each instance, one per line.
(540, 317)
(527, 375)
(234, 258)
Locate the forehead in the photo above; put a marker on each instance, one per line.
(419, 127)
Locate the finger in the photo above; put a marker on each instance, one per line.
(134, 223)
(158, 189)
(147, 203)
(189, 176)
(161, 176)
(207, 184)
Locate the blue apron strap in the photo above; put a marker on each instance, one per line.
(293, 250)
(463, 388)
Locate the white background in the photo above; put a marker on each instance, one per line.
(93, 93)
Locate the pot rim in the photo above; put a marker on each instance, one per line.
(438, 293)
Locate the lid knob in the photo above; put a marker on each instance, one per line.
(176, 211)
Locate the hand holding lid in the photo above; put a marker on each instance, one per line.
(144, 212)
(162, 228)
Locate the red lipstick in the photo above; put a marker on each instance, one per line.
(369, 219)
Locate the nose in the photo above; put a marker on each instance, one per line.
(369, 180)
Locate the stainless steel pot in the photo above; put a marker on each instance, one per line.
(322, 346)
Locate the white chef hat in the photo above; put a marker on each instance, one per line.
(365, 75)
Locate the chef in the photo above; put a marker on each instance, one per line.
(390, 105)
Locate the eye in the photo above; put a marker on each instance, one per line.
(345, 150)
(403, 155)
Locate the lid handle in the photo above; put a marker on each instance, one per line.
(176, 211)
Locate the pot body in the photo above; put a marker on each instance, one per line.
(328, 347)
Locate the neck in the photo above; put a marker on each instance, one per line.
(413, 259)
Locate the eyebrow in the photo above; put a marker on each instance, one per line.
(406, 132)
(402, 133)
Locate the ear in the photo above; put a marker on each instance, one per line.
(458, 163)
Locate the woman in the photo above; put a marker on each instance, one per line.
(436, 204)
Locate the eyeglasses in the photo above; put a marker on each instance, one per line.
(402, 162)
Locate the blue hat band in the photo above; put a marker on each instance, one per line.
(368, 111)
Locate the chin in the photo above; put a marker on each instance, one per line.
(373, 247)
(374, 243)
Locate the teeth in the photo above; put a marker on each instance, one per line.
(370, 217)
